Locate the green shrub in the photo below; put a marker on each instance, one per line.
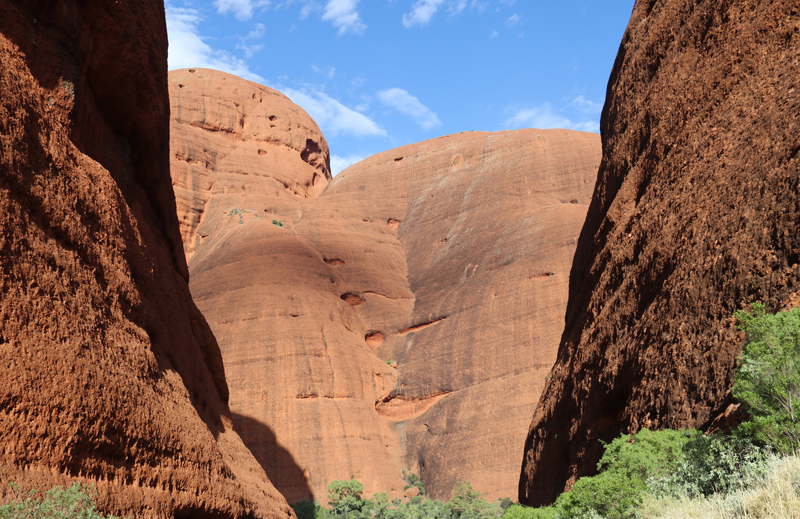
(525, 512)
(468, 503)
(306, 509)
(768, 377)
(75, 502)
(345, 496)
(713, 464)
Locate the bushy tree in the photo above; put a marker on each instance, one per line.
(713, 464)
(75, 502)
(768, 376)
(344, 497)
(468, 503)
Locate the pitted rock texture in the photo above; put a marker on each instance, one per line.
(224, 129)
(695, 215)
(392, 320)
(108, 372)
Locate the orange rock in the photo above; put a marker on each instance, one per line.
(108, 372)
(446, 258)
(411, 492)
(695, 215)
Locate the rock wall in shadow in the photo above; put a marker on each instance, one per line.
(108, 372)
(695, 214)
(277, 462)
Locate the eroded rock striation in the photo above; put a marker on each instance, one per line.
(695, 214)
(108, 372)
(395, 319)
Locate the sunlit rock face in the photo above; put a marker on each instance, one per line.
(395, 316)
(695, 215)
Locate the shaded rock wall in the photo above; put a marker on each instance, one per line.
(110, 375)
(398, 318)
(695, 214)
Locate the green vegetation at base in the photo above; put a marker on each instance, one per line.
(345, 501)
(75, 502)
(690, 474)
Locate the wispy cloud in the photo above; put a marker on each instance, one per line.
(544, 117)
(513, 20)
(339, 164)
(343, 15)
(258, 32)
(333, 117)
(327, 72)
(494, 34)
(407, 104)
(586, 106)
(421, 12)
(242, 9)
(187, 48)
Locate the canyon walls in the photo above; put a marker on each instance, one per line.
(695, 215)
(109, 373)
(397, 318)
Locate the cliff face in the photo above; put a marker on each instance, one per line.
(695, 214)
(392, 320)
(110, 375)
(486, 224)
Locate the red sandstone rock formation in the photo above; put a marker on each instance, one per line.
(392, 321)
(695, 214)
(108, 372)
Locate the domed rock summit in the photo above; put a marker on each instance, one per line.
(403, 314)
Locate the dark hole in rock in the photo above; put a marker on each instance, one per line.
(351, 299)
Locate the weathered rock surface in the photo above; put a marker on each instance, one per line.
(395, 320)
(695, 214)
(108, 372)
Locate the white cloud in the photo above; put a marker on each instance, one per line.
(458, 6)
(187, 48)
(258, 32)
(332, 116)
(328, 72)
(544, 117)
(494, 34)
(513, 20)
(339, 164)
(422, 11)
(407, 104)
(242, 9)
(343, 15)
(586, 106)
(250, 50)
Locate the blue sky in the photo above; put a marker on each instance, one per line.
(377, 74)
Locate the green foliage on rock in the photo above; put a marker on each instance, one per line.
(768, 377)
(75, 502)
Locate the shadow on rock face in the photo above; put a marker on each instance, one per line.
(279, 464)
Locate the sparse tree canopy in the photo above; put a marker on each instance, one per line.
(768, 376)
